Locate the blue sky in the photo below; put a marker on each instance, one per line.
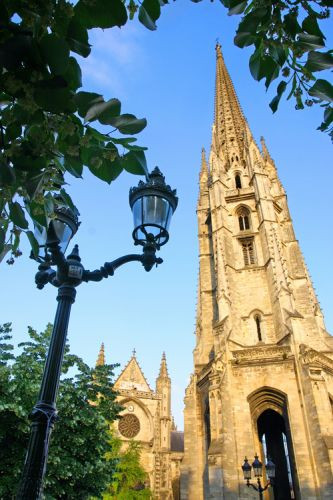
(168, 77)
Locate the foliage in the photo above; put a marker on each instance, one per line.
(45, 120)
(77, 462)
(129, 476)
(288, 42)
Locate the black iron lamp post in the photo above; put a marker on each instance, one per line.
(257, 469)
(153, 203)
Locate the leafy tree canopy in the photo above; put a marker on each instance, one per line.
(46, 121)
(81, 456)
(129, 476)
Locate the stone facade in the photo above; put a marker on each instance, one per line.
(263, 361)
(147, 418)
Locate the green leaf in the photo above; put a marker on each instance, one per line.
(103, 111)
(13, 130)
(323, 90)
(77, 38)
(123, 140)
(33, 243)
(107, 170)
(16, 214)
(318, 61)
(73, 74)
(275, 102)
(96, 134)
(101, 14)
(255, 64)
(37, 213)
(55, 51)
(54, 100)
(67, 200)
(128, 124)
(278, 53)
(135, 162)
(7, 174)
(149, 12)
(291, 25)
(244, 39)
(85, 100)
(73, 165)
(237, 7)
(310, 24)
(309, 42)
(262, 66)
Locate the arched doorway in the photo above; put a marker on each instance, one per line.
(270, 417)
(272, 434)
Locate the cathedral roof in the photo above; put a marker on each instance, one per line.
(132, 377)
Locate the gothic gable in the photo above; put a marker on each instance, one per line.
(132, 378)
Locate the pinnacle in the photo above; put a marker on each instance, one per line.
(204, 166)
(163, 368)
(101, 356)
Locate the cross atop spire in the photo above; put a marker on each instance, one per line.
(229, 121)
(101, 356)
(134, 353)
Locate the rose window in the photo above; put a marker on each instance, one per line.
(129, 425)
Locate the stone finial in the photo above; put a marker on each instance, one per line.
(101, 356)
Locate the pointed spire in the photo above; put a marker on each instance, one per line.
(265, 153)
(163, 368)
(229, 121)
(101, 356)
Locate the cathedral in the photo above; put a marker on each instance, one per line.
(262, 380)
(146, 418)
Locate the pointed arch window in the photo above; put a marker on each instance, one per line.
(238, 181)
(243, 219)
(248, 251)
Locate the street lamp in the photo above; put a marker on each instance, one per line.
(257, 470)
(153, 203)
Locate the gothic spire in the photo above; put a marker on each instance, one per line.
(229, 121)
(163, 368)
(101, 356)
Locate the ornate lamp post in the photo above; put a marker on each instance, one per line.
(153, 204)
(257, 469)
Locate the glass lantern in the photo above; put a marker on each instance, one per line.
(246, 467)
(60, 230)
(153, 204)
(270, 469)
(257, 467)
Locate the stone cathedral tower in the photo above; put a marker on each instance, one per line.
(263, 361)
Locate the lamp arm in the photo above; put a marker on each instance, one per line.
(148, 259)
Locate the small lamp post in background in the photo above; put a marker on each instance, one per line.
(153, 204)
(257, 469)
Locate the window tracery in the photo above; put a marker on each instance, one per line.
(248, 251)
(243, 219)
